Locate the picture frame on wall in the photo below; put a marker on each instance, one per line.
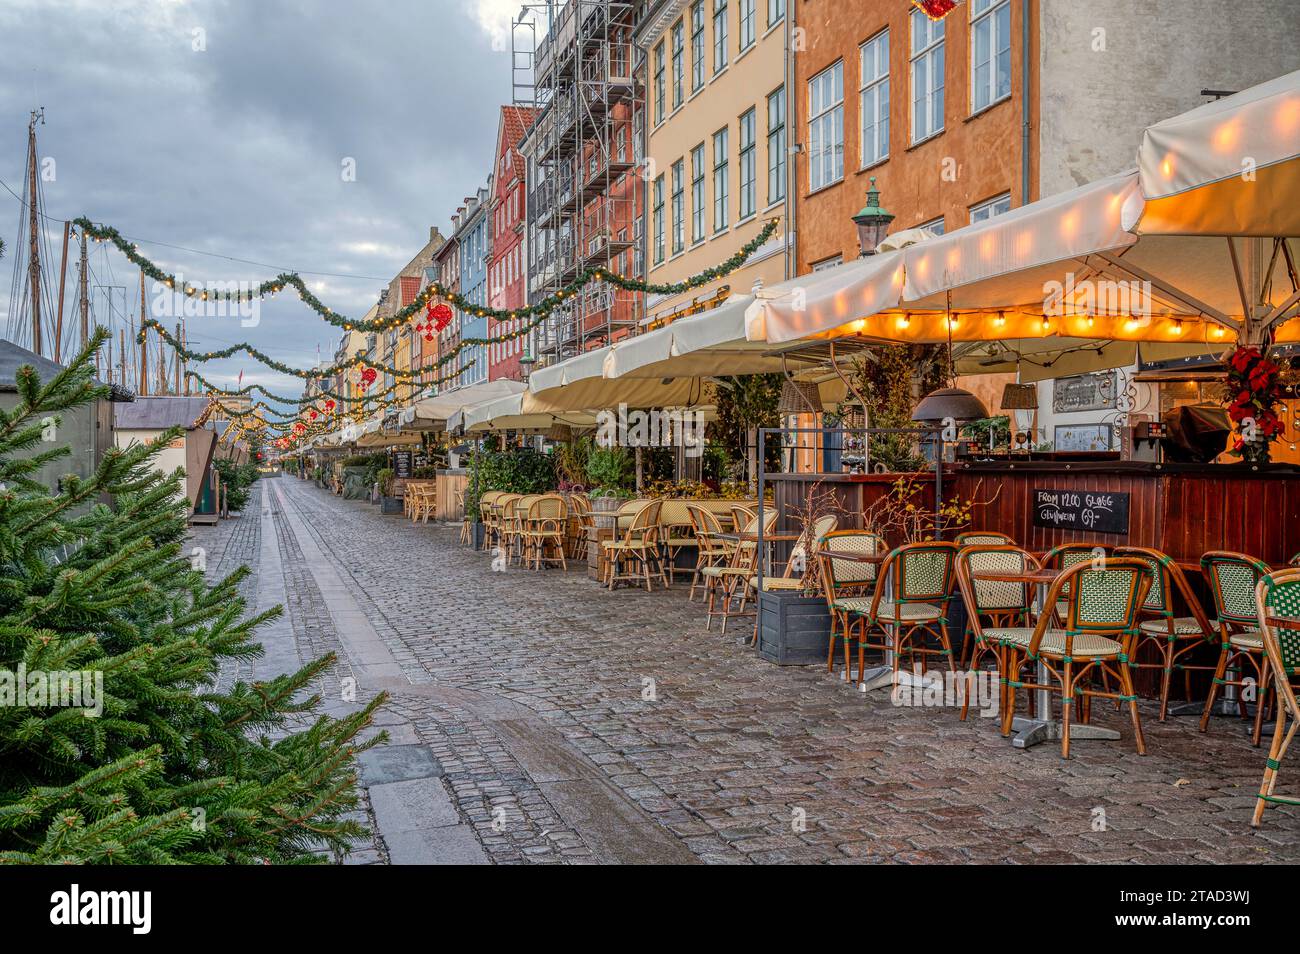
(1083, 437)
(1095, 391)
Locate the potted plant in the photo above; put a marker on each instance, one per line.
(389, 504)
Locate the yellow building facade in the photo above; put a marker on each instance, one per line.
(717, 163)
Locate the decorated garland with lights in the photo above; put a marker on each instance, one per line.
(214, 390)
(427, 296)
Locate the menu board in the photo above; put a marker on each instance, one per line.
(401, 464)
(1096, 510)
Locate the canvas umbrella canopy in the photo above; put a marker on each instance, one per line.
(1219, 169)
(516, 412)
(442, 406)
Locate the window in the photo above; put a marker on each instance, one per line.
(826, 127)
(748, 199)
(679, 206)
(927, 76)
(776, 146)
(873, 100)
(994, 206)
(990, 54)
(720, 186)
(659, 83)
(775, 11)
(746, 24)
(934, 225)
(697, 194)
(719, 35)
(826, 263)
(659, 220)
(679, 67)
(697, 45)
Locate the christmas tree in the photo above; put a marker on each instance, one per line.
(150, 764)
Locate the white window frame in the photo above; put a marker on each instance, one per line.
(995, 16)
(697, 46)
(934, 225)
(678, 62)
(826, 123)
(719, 36)
(699, 200)
(990, 208)
(721, 187)
(873, 100)
(660, 87)
(776, 146)
(659, 220)
(929, 56)
(775, 12)
(679, 206)
(748, 192)
(748, 28)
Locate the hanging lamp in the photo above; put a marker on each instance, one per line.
(951, 402)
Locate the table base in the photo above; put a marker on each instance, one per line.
(1030, 732)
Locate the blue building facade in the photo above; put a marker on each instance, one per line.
(475, 248)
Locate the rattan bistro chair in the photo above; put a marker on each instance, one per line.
(1233, 578)
(1277, 600)
(639, 546)
(1098, 634)
(580, 519)
(1294, 561)
(710, 549)
(545, 525)
(1173, 636)
(984, 538)
(487, 515)
(1068, 555)
(1005, 604)
(847, 584)
(911, 601)
(729, 581)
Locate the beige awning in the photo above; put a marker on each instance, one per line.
(1231, 167)
(442, 406)
(516, 412)
(816, 303)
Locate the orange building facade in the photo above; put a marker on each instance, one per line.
(935, 111)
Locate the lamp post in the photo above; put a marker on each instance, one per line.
(872, 222)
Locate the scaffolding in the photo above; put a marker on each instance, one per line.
(586, 200)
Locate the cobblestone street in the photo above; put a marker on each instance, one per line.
(520, 728)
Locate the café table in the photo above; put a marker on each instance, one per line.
(1041, 727)
(768, 538)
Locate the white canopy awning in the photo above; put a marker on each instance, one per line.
(811, 304)
(516, 412)
(443, 406)
(1230, 167)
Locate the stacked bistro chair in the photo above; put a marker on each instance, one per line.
(513, 527)
(795, 567)
(1294, 561)
(911, 602)
(1004, 604)
(983, 538)
(1277, 599)
(503, 518)
(848, 584)
(544, 526)
(676, 533)
(728, 581)
(580, 519)
(466, 524)
(1233, 578)
(638, 546)
(422, 500)
(487, 511)
(1173, 636)
(710, 548)
(1098, 634)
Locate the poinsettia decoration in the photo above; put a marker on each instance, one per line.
(1253, 391)
(935, 9)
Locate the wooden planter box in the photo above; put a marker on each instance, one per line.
(793, 629)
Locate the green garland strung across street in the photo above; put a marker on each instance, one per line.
(104, 233)
(214, 390)
(309, 373)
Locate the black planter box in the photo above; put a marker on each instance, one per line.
(391, 505)
(479, 531)
(793, 629)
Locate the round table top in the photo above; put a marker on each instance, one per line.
(854, 557)
(1039, 577)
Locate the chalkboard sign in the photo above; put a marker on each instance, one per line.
(1097, 510)
(402, 464)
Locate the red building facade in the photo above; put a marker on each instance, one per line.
(507, 268)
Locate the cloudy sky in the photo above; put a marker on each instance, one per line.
(223, 127)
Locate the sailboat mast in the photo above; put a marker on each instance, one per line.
(34, 260)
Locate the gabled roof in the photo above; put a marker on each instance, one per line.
(515, 121)
(12, 357)
(158, 413)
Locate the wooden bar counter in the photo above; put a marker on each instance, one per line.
(1181, 509)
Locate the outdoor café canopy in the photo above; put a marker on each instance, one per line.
(516, 412)
(442, 406)
(1079, 265)
(1221, 168)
